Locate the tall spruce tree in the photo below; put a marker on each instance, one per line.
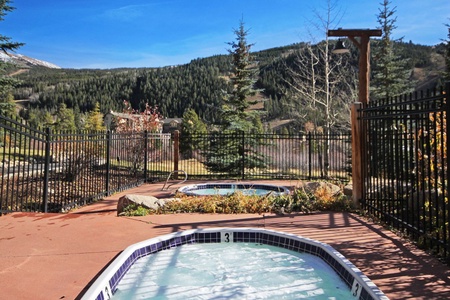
(447, 56)
(94, 120)
(65, 118)
(193, 131)
(234, 152)
(391, 78)
(235, 116)
(7, 83)
(391, 73)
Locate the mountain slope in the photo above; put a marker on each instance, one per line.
(199, 85)
(22, 61)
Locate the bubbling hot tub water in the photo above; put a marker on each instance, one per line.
(231, 271)
(232, 263)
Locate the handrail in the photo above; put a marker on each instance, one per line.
(168, 177)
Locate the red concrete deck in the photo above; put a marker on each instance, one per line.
(56, 256)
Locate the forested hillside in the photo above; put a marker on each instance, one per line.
(199, 85)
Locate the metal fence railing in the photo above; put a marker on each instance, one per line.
(53, 171)
(273, 156)
(406, 179)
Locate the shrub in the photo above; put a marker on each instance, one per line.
(298, 201)
(135, 210)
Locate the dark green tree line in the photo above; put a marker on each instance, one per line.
(197, 85)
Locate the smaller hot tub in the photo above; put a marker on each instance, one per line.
(211, 189)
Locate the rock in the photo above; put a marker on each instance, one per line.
(348, 190)
(311, 187)
(145, 201)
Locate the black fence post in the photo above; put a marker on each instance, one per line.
(310, 150)
(145, 154)
(176, 152)
(46, 168)
(108, 161)
(243, 154)
(447, 114)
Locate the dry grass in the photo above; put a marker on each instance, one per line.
(299, 201)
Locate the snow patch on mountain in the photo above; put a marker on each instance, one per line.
(28, 61)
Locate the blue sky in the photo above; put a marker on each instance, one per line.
(155, 33)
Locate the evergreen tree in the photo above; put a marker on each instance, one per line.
(257, 125)
(235, 151)
(5, 42)
(47, 119)
(193, 132)
(391, 72)
(95, 119)
(234, 111)
(65, 118)
(391, 78)
(447, 56)
(37, 118)
(7, 105)
(7, 83)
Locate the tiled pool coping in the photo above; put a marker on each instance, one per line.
(106, 284)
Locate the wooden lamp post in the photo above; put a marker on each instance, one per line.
(363, 44)
(361, 39)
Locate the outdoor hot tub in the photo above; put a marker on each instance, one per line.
(132, 274)
(211, 189)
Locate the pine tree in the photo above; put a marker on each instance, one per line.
(7, 83)
(391, 73)
(95, 119)
(234, 111)
(447, 57)
(7, 105)
(233, 152)
(47, 119)
(5, 42)
(65, 118)
(193, 130)
(391, 78)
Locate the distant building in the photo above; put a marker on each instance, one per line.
(167, 125)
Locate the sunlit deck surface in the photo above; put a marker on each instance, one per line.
(56, 256)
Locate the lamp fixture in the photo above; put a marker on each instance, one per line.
(339, 48)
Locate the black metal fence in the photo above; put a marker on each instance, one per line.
(269, 156)
(53, 171)
(406, 179)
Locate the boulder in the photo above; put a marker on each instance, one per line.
(311, 187)
(143, 200)
(348, 190)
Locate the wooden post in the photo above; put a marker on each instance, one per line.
(357, 159)
(358, 129)
(176, 152)
(364, 67)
